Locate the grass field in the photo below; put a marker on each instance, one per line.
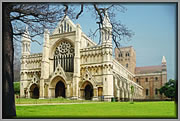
(53, 100)
(163, 109)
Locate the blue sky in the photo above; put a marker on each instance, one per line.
(154, 26)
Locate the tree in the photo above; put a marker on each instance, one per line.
(17, 64)
(169, 89)
(17, 16)
(132, 94)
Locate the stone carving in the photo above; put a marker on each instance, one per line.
(65, 48)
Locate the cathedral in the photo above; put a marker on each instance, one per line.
(72, 66)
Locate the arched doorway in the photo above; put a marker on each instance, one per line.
(60, 89)
(88, 92)
(34, 91)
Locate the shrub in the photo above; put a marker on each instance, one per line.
(17, 88)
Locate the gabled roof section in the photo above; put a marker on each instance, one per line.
(148, 69)
(65, 25)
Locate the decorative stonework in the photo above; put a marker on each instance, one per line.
(87, 77)
(64, 49)
(84, 68)
(64, 56)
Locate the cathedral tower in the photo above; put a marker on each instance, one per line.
(106, 34)
(26, 43)
(127, 57)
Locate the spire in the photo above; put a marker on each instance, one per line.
(106, 31)
(25, 36)
(106, 21)
(163, 60)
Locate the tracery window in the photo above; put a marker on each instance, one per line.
(64, 55)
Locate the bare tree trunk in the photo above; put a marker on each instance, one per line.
(8, 106)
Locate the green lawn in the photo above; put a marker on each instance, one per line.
(161, 109)
(53, 100)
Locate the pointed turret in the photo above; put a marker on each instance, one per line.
(106, 34)
(26, 36)
(163, 60)
(164, 70)
(26, 42)
(106, 21)
(163, 63)
(106, 31)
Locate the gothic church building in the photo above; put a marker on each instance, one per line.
(73, 66)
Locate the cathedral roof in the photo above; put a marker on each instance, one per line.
(61, 25)
(148, 69)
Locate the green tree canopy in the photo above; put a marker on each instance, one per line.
(169, 89)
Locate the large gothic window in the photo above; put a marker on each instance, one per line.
(64, 55)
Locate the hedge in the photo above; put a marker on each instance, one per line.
(17, 87)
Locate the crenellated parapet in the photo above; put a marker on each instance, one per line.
(95, 54)
(96, 69)
(31, 62)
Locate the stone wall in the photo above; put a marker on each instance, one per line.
(150, 82)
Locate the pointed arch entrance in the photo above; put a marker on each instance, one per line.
(60, 90)
(34, 91)
(58, 87)
(87, 90)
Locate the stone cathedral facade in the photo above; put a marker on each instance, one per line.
(73, 66)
